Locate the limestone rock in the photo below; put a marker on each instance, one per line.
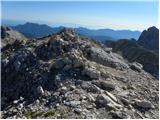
(103, 100)
(100, 56)
(107, 85)
(136, 66)
(74, 103)
(120, 115)
(78, 110)
(111, 96)
(40, 90)
(91, 72)
(143, 104)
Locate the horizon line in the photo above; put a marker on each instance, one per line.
(72, 25)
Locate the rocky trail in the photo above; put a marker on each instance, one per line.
(65, 75)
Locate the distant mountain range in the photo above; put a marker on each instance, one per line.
(34, 30)
(109, 33)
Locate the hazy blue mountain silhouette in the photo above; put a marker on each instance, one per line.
(7, 22)
(114, 34)
(34, 30)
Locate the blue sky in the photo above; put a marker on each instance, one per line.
(136, 15)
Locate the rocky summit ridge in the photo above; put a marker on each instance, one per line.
(8, 35)
(65, 75)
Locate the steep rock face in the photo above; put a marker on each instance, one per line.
(69, 76)
(8, 35)
(150, 39)
(133, 52)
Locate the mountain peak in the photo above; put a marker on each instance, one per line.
(5, 28)
(68, 31)
(9, 36)
(150, 38)
(153, 28)
(30, 23)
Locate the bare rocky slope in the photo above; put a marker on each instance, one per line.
(132, 51)
(8, 36)
(69, 76)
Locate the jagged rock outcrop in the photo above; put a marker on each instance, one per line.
(69, 76)
(149, 39)
(9, 36)
(133, 52)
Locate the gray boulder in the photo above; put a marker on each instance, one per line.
(91, 72)
(73, 103)
(40, 90)
(105, 85)
(104, 100)
(108, 59)
(136, 66)
(120, 115)
(143, 104)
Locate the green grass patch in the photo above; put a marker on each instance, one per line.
(49, 113)
(36, 114)
(29, 114)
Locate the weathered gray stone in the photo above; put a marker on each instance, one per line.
(125, 101)
(120, 115)
(91, 98)
(108, 50)
(64, 88)
(100, 56)
(111, 96)
(21, 98)
(107, 85)
(123, 79)
(40, 90)
(136, 66)
(74, 103)
(78, 110)
(92, 73)
(103, 100)
(78, 63)
(15, 101)
(91, 88)
(143, 104)
(72, 87)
